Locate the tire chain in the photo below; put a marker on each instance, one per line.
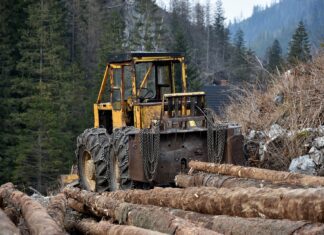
(150, 150)
(216, 138)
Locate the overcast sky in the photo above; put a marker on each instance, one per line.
(239, 9)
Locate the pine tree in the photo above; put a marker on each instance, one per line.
(240, 59)
(299, 47)
(239, 48)
(220, 38)
(274, 57)
(42, 124)
(199, 16)
(12, 21)
(147, 27)
(112, 40)
(181, 43)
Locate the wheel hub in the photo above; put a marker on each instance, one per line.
(89, 171)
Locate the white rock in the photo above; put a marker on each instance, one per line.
(251, 135)
(321, 130)
(276, 131)
(317, 156)
(319, 142)
(262, 150)
(312, 150)
(303, 165)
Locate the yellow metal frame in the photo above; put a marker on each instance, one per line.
(141, 114)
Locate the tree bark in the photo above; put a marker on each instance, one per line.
(38, 220)
(148, 217)
(7, 227)
(242, 226)
(92, 227)
(57, 209)
(12, 213)
(282, 203)
(259, 174)
(223, 181)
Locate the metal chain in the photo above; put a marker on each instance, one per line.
(150, 149)
(216, 138)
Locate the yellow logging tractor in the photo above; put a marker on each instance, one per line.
(147, 127)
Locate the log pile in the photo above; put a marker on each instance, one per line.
(211, 199)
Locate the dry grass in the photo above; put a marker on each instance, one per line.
(303, 107)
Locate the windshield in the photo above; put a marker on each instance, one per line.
(154, 79)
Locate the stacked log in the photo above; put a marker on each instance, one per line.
(7, 227)
(242, 226)
(281, 203)
(223, 181)
(88, 226)
(57, 209)
(36, 217)
(216, 199)
(276, 177)
(153, 218)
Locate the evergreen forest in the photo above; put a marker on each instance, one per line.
(53, 55)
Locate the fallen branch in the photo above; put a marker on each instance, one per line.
(7, 226)
(259, 174)
(222, 181)
(87, 226)
(37, 219)
(148, 217)
(282, 203)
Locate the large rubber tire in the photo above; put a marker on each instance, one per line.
(94, 143)
(118, 157)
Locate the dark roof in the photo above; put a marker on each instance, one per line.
(128, 56)
(217, 97)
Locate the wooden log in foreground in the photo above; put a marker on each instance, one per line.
(57, 209)
(259, 174)
(223, 181)
(148, 217)
(7, 227)
(38, 220)
(242, 226)
(92, 227)
(221, 223)
(282, 203)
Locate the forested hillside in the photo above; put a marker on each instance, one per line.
(279, 22)
(53, 54)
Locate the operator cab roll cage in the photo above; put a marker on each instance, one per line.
(142, 69)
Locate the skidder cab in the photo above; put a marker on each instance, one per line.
(147, 127)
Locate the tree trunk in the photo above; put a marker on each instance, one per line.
(241, 226)
(57, 209)
(38, 220)
(12, 213)
(148, 217)
(282, 203)
(92, 227)
(7, 227)
(223, 181)
(259, 174)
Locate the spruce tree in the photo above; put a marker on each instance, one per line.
(147, 27)
(274, 57)
(12, 21)
(181, 43)
(240, 59)
(45, 146)
(299, 47)
(220, 37)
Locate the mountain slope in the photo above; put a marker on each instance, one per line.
(279, 21)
